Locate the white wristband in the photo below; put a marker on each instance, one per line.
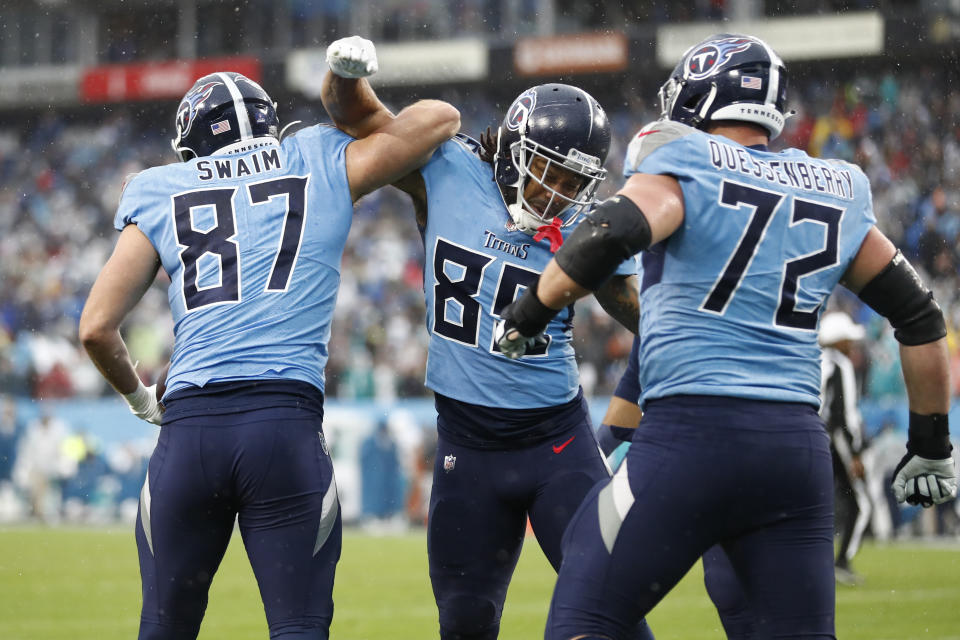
(143, 403)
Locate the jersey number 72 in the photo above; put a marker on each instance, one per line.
(765, 204)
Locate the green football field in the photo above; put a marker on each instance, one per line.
(83, 584)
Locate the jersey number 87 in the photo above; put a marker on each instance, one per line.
(218, 240)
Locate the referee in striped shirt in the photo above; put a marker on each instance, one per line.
(840, 413)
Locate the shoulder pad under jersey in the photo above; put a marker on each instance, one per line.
(127, 180)
(650, 138)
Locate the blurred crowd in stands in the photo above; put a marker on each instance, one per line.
(52, 470)
(60, 182)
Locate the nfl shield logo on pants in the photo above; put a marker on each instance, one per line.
(449, 462)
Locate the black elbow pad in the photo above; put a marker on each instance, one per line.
(611, 233)
(898, 294)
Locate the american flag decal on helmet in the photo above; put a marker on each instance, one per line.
(220, 127)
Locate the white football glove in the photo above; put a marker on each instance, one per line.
(352, 57)
(925, 482)
(143, 403)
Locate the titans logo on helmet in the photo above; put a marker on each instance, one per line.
(188, 107)
(520, 110)
(710, 58)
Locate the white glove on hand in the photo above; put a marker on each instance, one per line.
(925, 482)
(143, 403)
(352, 57)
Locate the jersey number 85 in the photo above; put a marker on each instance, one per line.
(458, 274)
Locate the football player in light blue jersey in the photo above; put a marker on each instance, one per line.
(621, 418)
(515, 439)
(742, 247)
(250, 230)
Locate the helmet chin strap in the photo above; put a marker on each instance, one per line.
(523, 219)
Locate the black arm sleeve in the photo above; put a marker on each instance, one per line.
(929, 436)
(614, 231)
(898, 294)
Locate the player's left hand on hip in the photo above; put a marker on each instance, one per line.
(923, 481)
(143, 403)
(352, 57)
(510, 341)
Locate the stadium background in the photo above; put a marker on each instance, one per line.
(88, 91)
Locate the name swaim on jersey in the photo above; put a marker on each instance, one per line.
(238, 167)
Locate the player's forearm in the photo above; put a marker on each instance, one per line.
(927, 376)
(426, 124)
(353, 106)
(109, 354)
(618, 297)
(415, 133)
(622, 413)
(556, 289)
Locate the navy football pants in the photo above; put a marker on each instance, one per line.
(269, 467)
(723, 587)
(478, 517)
(753, 476)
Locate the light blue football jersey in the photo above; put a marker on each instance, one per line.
(730, 303)
(252, 243)
(476, 264)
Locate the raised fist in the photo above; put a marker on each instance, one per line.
(352, 57)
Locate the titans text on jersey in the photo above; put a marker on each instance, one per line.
(514, 249)
(471, 274)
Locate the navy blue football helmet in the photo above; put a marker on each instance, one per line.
(566, 127)
(727, 77)
(220, 110)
